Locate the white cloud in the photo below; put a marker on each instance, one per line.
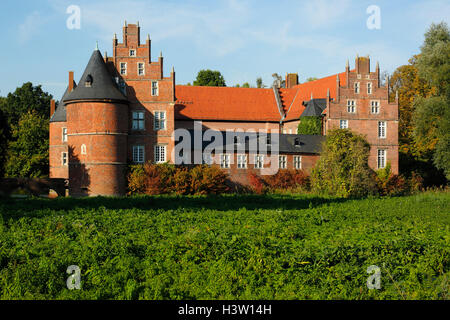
(321, 13)
(30, 27)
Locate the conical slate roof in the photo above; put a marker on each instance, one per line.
(102, 85)
(60, 113)
(314, 108)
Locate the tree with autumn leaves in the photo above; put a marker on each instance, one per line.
(423, 87)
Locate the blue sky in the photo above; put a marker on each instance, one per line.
(242, 39)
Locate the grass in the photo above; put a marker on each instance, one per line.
(226, 247)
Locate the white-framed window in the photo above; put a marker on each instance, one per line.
(154, 88)
(282, 162)
(381, 129)
(123, 68)
(160, 120)
(242, 161)
(374, 106)
(359, 76)
(297, 162)
(138, 120)
(356, 87)
(64, 158)
(351, 106)
(381, 158)
(138, 154)
(160, 153)
(132, 53)
(290, 131)
(369, 87)
(259, 161)
(343, 124)
(141, 69)
(83, 149)
(225, 161)
(64, 134)
(207, 158)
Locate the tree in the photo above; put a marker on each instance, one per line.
(311, 79)
(24, 99)
(343, 169)
(432, 115)
(310, 125)
(259, 83)
(3, 141)
(246, 85)
(209, 78)
(28, 150)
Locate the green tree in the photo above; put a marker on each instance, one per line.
(209, 78)
(310, 125)
(246, 85)
(3, 141)
(311, 79)
(24, 99)
(431, 114)
(343, 169)
(259, 83)
(28, 150)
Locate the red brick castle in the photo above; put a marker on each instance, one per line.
(125, 110)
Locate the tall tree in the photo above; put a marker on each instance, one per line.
(259, 83)
(28, 150)
(23, 99)
(209, 78)
(3, 141)
(432, 115)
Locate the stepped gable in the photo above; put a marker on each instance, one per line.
(96, 83)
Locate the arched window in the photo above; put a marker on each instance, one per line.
(83, 149)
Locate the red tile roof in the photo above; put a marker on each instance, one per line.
(225, 103)
(249, 104)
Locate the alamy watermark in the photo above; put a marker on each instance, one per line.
(74, 20)
(374, 280)
(74, 280)
(374, 20)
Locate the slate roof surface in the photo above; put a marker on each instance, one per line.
(103, 87)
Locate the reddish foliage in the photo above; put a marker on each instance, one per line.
(256, 183)
(287, 180)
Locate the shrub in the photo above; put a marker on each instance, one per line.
(182, 181)
(136, 179)
(208, 180)
(256, 183)
(343, 169)
(287, 180)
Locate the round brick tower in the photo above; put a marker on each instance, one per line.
(97, 130)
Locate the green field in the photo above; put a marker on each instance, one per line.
(226, 247)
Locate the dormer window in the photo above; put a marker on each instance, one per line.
(132, 53)
(297, 142)
(88, 82)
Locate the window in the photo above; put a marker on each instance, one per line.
(141, 69)
(351, 106)
(132, 53)
(121, 85)
(381, 159)
(268, 139)
(259, 162)
(207, 158)
(282, 162)
(83, 149)
(297, 162)
(64, 159)
(225, 161)
(356, 87)
(160, 153)
(375, 107)
(123, 68)
(64, 134)
(381, 129)
(369, 87)
(138, 154)
(138, 120)
(160, 120)
(242, 161)
(154, 88)
(343, 124)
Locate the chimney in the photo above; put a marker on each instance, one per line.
(291, 80)
(160, 60)
(70, 81)
(52, 107)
